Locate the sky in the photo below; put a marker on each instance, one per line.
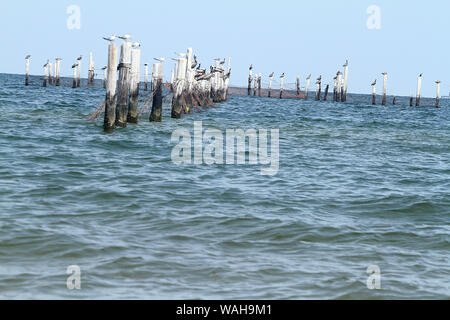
(403, 38)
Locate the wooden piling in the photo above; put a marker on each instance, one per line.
(411, 99)
(58, 72)
(157, 80)
(345, 87)
(308, 80)
(326, 92)
(105, 76)
(79, 72)
(339, 87)
(111, 86)
(374, 93)
(419, 89)
(335, 88)
(250, 79)
(298, 85)
(75, 75)
(50, 73)
(394, 100)
(45, 75)
(133, 104)
(384, 88)
(259, 84)
(146, 77)
(27, 70)
(438, 93)
(177, 102)
(281, 85)
(270, 85)
(255, 85)
(319, 88)
(124, 85)
(91, 71)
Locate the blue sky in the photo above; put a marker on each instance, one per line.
(296, 37)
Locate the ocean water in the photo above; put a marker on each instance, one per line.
(358, 186)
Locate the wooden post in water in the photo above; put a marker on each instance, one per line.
(250, 79)
(133, 105)
(411, 99)
(255, 85)
(259, 84)
(105, 76)
(146, 77)
(79, 71)
(319, 88)
(339, 87)
(75, 75)
(157, 80)
(124, 85)
(438, 94)
(50, 73)
(177, 102)
(27, 70)
(45, 74)
(394, 100)
(298, 85)
(419, 89)
(374, 92)
(308, 80)
(111, 86)
(384, 88)
(344, 95)
(335, 86)
(326, 92)
(227, 80)
(281, 85)
(58, 72)
(270, 84)
(91, 71)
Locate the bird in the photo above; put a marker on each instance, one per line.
(181, 55)
(136, 45)
(420, 76)
(104, 68)
(194, 64)
(271, 75)
(251, 67)
(223, 62)
(28, 57)
(199, 66)
(308, 77)
(374, 83)
(282, 75)
(58, 59)
(126, 37)
(79, 58)
(319, 78)
(74, 66)
(438, 81)
(45, 65)
(384, 73)
(346, 64)
(111, 39)
(159, 59)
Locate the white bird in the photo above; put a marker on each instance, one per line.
(110, 39)
(181, 55)
(136, 45)
(159, 59)
(125, 37)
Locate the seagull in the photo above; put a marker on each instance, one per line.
(438, 81)
(104, 68)
(271, 75)
(161, 59)
(125, 37)
(79, 58)
(110, 39)
(223, 62)
(420, 76)
(251, 67)
(374, 83)
(308, 77)
(28, 57)
(282, 75)
(74, 66)
(181, 55)
(46, 63)
(346, 64)
(384, 73)
(136, 45)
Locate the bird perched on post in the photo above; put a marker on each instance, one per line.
(222, 62)
(308, 77)
(80, 58)
(271, 75)
(195, 62)
(104, 68)
(282, 75)
(346, 64)
(126, 37)
(384, 73)
(28, 57)
(58, 59)
(199, 66)
(374, 83)
(45, 65)
(159, 59)
(420, 76)
(136, 45)
(74, 66)
(111, 39)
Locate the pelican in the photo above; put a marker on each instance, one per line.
(161, 59)
(195, 62)
(374, 83)
(125, 37)
(271, 75)
(136, 45)
(110, 39)
(199, 66)
(28, 57)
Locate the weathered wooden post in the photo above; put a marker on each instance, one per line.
(27, 70)
(111, 86)
(270, 84)
(79, 71)
(255, 85)
(394, 100)
(124, 85)
(281, 85)
(58, 72)
(259, 84)
(227, 80)
(335, 88)
(75, 75)
(374, 92)
(339, 87)
(105, 76)
(319, 88)
(91, 70)
(438, 94)
(157, 79)
(384, 88)
(308, 80)
(250, 79)
(50, 73)
(45, 74)
(189, 83)
(146, 77)
(344, 96)
(326, 92)
(177, 102)
(298, 85)
(133, 105)
(419, 89)
(411, 99)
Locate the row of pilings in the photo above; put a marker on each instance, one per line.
(340, 88)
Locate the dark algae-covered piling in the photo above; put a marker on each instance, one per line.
(124, 85)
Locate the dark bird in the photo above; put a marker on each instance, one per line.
(195, 62)
(223, 62)
(251, 67)
(420, 76)
(271, 75)
(384, 73)
(374, 83)
(104, 68)
(282, 75)
(308, 77)
(79, 58)
(346, 64)
(199, 66)
(28, 57)
(74, 66)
